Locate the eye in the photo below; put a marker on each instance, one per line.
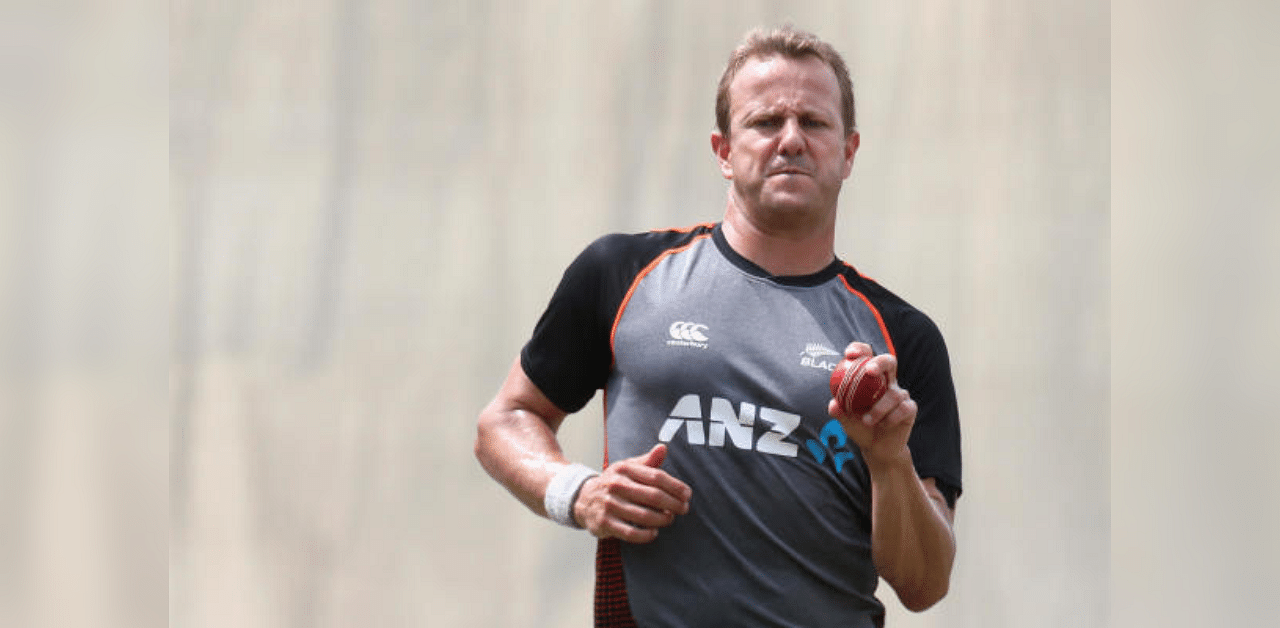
(765, 122)
(813, 123)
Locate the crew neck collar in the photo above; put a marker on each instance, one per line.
(751, 268)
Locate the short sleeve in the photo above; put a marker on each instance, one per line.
(924, 369)
(570, 354)
(568, 357)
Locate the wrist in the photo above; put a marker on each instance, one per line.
(562, 492)
(579, 519)
(896, 462)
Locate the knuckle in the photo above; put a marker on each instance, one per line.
(632, 533)
(610, 504)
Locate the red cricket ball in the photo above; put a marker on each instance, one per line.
(853, 388)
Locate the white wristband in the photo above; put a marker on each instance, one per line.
(562, 491)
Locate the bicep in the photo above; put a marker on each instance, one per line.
(519, 394)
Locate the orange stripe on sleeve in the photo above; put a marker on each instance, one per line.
(879, 319)
(604, 421)
(636, 282)
(622, 307)
(708, 225)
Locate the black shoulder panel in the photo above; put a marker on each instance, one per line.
(569, 356)
(924, 369)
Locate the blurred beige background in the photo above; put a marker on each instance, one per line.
(1196, 289)
(83, 314)
(372, 202)
(312, 362)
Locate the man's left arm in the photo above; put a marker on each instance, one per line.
(912, 542)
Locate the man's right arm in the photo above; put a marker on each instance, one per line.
(516, 439)
(516, 444)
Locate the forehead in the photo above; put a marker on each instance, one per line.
(777, 80)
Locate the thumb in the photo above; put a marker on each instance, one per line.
(655, 456)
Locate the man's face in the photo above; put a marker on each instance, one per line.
(787, 152)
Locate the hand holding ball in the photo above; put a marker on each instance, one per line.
(854, 388)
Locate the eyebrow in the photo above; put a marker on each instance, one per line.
(748, 114)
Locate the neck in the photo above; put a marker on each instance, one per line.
(791, 251)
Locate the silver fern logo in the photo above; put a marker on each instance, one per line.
(819, 356)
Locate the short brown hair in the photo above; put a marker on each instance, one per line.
(792, 43)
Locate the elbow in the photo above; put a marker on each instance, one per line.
(484, 430)
(478, 447)
(923, 598)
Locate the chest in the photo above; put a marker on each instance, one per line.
(697, 324)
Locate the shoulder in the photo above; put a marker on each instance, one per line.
(905, 323)
(644, 246)
(570, 353)
(924, 368)
(616, 259)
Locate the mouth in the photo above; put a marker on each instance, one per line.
(782, 171)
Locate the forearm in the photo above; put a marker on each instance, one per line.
(913, 544)
(631, 500)
(519, 449)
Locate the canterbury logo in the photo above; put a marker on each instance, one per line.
(688, 331)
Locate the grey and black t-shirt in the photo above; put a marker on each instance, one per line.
(697, 347)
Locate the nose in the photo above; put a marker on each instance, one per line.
(790, 138)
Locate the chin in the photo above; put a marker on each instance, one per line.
(789, 216)
(787, 204)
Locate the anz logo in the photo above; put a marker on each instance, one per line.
(832, 442)
(738, 426)
(725, 424)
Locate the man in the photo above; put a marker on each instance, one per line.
(736, 492)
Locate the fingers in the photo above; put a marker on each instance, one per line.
(666, 487)
(856, 349)
(633, 498)
(834, 409)
(619, 529)
(894, 407)
(621, 508)
(653, 488)
(886, 425)
(884, 364)
(882, 431)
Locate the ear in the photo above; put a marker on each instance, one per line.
(720, 146)
(850, 149)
